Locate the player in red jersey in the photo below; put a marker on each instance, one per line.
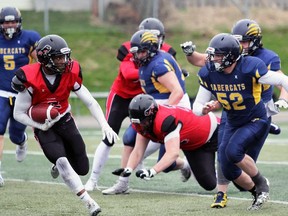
(177, 128)
(125, 86)
(50, 81)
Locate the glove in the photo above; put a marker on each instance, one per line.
(281, 103)
(110, 134)
(146, 174)
(49, 123)
(188, 48)
(123, 172)
(185, 73)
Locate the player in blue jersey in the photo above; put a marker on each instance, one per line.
(16, 50)
(236, 83)
(248, 32)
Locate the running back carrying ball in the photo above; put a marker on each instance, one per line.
(40, 112)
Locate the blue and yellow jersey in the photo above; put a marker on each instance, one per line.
(239, 92)
(273, 63)
(14, 54)
(159, 65)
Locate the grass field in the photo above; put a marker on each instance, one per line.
(30, 190)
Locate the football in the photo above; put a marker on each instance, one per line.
(40, 112)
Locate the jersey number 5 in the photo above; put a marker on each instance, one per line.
(9, 62)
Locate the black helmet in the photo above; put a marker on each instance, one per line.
(143, 40)
(248, 30)
(48, 48)
(10, 14)
(142, 110)
(154, 24)
(225, 45)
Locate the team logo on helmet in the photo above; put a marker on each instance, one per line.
(253, 29)
(149, 37)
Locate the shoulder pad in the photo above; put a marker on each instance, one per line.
(17, 85)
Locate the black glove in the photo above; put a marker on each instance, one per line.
(185, 72)
(122, 172)
(188, 48)
(146, 174)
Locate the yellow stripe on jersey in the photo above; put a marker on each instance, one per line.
(256, 91)
(158, 86)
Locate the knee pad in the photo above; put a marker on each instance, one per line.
(129, 137)
(18, 139)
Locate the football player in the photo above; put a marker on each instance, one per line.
(51, 81)
(171, 126)
(125, 86)
(17, 49)
(248, 32)
(236, 82)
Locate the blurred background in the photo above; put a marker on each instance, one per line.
(94, 30)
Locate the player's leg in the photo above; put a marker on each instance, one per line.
(4, 117)
(19, 137)
(116, 112)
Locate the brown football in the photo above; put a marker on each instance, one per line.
(40, 112)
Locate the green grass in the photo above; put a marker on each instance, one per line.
(30, 190)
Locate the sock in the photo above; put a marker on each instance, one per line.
(100, 157)
(84, 196)
(124, 179)
(260, 183)
(69, 176)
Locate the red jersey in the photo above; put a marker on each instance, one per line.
(195, 129)
(56, 94)
(127, 84)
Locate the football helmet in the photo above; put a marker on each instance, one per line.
(142, 110)
(248, 30)
(226, 46)
(49, 48)
(154, 24)
(10, 14)
(144, 45)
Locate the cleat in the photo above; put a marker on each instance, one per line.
(274, 129)
(91, 185)
(1, 181)
(220, 200)
(54, 172)
(120, 187)
(21, 150)
(260, 197)
(258, 200)
(93, 207)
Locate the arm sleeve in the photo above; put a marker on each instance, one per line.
(273, 78)
(129, 70)
(22, 104)
(85, 96)
(203, 96)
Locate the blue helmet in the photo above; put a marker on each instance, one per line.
(10, 14)
(226, 45)
(248, 30)
(141, 41)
